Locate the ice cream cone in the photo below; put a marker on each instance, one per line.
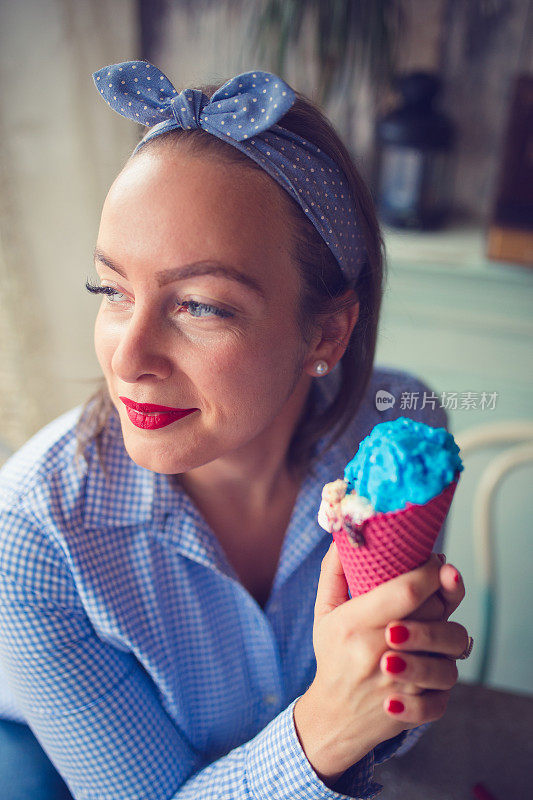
(388, 544)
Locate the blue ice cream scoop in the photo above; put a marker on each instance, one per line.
(403, 461)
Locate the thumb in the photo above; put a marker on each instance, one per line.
(332, 588)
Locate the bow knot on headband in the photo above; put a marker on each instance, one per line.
(244, 112)
(187, 108)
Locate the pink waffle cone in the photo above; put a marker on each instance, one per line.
(392, 542)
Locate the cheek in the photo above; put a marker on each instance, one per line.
(254, 350)
(249, 370)
(105, 341)
(241, 366)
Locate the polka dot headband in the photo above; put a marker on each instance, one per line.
(244, 113)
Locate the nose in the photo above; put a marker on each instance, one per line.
(142, 348)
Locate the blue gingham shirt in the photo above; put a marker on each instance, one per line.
(127, 643)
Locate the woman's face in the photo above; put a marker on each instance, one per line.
(228, 348)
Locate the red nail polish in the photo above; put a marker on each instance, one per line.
(398, 634)
(395, 664)
(456, 577)
(395, 706)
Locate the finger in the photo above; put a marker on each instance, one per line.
(400, 596)
(416, 709)
(452, 589)
(404, 687)
(444, 638)
(407, 688)
(433, 608)
(425, 672)
(332, 588)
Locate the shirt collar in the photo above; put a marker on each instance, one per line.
(125, 495)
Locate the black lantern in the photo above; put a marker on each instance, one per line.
(414, 157)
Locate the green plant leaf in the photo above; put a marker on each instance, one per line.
(351, 37)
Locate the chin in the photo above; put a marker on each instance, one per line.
(168, 457)
(162, 462)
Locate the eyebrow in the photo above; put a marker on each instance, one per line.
(190, 271)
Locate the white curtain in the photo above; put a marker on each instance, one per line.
(60, 148)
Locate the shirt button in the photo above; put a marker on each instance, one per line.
(270, 699)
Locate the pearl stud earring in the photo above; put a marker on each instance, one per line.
(321, 367)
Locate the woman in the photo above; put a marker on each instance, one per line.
(174, 622)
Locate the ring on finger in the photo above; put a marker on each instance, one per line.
(466, 652)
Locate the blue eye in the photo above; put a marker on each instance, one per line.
(192, 306)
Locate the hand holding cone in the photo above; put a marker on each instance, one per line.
(388, 544)
(388, 523)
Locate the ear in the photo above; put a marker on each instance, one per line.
(331, 341)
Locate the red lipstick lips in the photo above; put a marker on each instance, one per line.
(150, 416)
